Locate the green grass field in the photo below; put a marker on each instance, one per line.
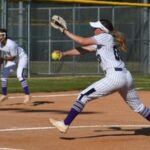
(67, 83)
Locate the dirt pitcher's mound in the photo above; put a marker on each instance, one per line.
(106, 123)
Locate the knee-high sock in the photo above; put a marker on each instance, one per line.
(75, 110)
(4, 87)
(146, 113)
(78, 107)
(25, 86)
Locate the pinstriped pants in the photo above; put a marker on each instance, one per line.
(114, 81)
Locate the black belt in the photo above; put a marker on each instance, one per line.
(118, 69)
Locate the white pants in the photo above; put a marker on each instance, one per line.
(10, 67)
(114, 81)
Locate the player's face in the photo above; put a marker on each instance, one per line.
(97, 31)
(2, 37)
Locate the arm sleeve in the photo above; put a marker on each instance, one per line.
(103, 39)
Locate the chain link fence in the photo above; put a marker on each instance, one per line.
(28, 24)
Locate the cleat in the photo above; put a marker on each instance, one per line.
(27, 98)
(3, 98)
(59, 125)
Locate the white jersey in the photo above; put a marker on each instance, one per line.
(117, 78)
(107, 54)
(11, 48)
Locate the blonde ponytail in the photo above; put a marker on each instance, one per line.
(120, 39)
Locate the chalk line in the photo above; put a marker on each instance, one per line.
(51, 95)
(75, 127)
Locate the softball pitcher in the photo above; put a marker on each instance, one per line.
(13, 56)
(106, 43)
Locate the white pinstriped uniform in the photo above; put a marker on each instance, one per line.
(114, 80)
(117, 77)
(12, 49)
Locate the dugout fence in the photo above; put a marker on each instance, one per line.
(28, 23)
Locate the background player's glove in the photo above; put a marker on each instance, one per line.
(1, 60)
(59, 23)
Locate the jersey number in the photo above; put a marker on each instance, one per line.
(116, 53)
(98, 58)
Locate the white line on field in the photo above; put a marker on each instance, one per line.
(75, 127)
(52, 95)
(4, 148)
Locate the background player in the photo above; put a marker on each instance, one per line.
(13, 55)
(106, 43)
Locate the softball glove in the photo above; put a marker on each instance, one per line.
(58, 23)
